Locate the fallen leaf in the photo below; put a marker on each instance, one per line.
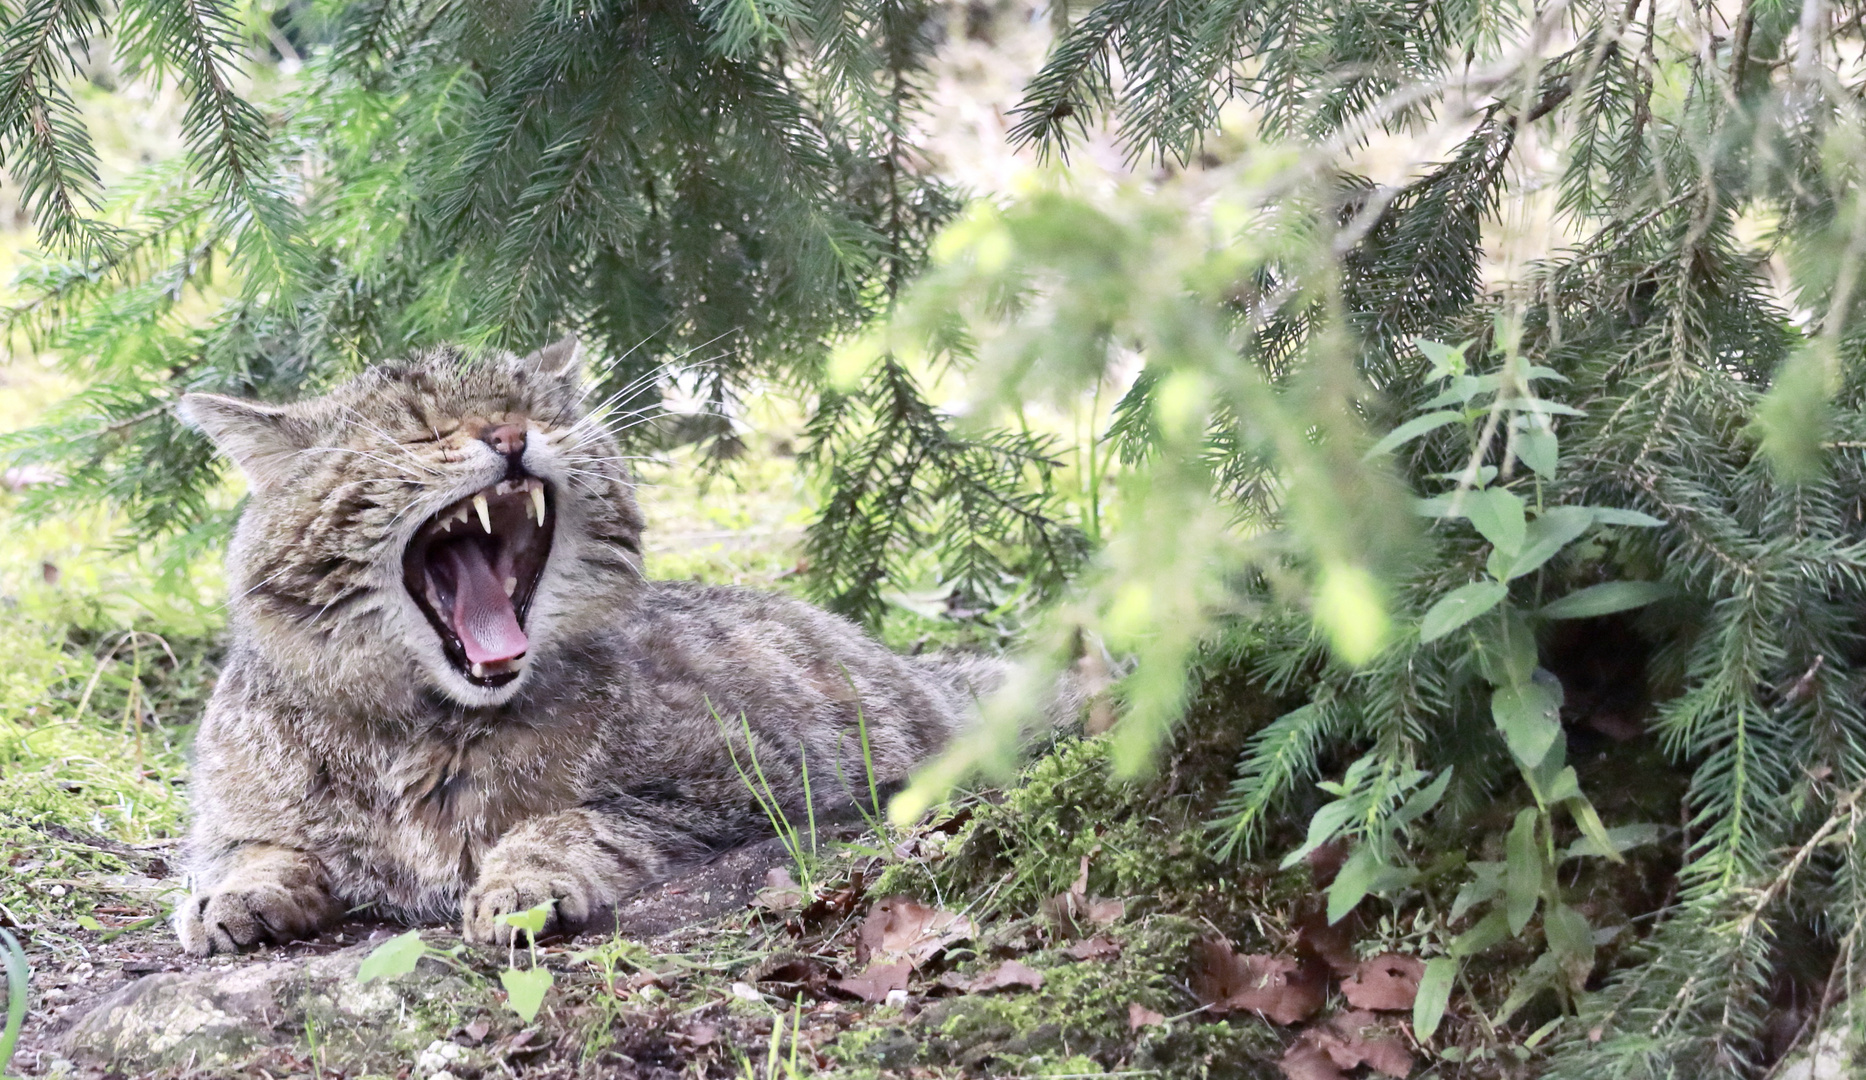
(1011, 973)
(1358, 1038)
(1104, 912)
(1139, 1016)
(1333, 944)
(476, 1031)
(794, 972)
(901, 928)
(1284, 990)
(780, 893)
(1389, 981)
(876, 983)
(746, 992)
(1306, 1061)
(1099, 947)
(702, 1034)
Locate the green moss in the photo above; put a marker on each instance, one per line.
(1077, 1022)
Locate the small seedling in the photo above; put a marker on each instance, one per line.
(524, 990)
(16, 973)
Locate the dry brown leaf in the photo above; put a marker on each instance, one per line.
(702, 1034)
(1389, 981)
(1326, 861)
(1283, 990)
(1099, 947)
(1304, 1060)
(874, 984)
(475, 1031)
(781, 893)
(1358, 1038)
(901, 928)
(1104, 912)
(1139, 1016)
(1332, 944)
(1006, 976)
(794, 971)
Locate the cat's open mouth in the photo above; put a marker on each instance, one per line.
(472, 569)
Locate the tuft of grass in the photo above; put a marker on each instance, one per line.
(14, 959)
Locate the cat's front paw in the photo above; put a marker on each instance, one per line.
(509, 889)
(270, 894)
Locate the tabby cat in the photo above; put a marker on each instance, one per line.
(450, 691)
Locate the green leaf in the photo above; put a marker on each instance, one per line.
(1585, 816)
(1364, 873)
(1539, 449)
(1411, 430)
(1547, 534)
(1510, 656)
(1489, 930)
(1498, 514)
(1323, 825)
(1522, 876)
(1571, 939)
(1605, 599)
(531, 920)
(524, 990)
(1613, 515)
(394, 957)
(1421, 801)
(1539, 405)
(1428, 1008)
(1460, 606)
(1445, 359)
(1529, 716)
(1619, 838)
(1485, 884)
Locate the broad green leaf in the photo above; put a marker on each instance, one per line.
(1323, 825)
(394, 957)
(1446, 359)
(1362, 874)
(1537, 371)
(1421, 801)
(1547, 534)
(1498, 514)
(1485, 884)
(1585, 816)
(1613, 515)
(1539, 405)
(1605, 599)
(1571, 939)
(1460, 606)
(1619, 838)
(1489, 930)
(1411, 430)
(1510, 656)
(1539, 449)
(1438, 506)
(1522, 876)
(1542, 974)
(1529, 716)
(524, 990)
(531, 920)
(1434, 994)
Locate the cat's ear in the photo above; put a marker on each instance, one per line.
(561, 360)
(260, 439)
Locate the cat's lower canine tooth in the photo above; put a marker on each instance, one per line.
(479, 671)
(485, 515)
(511, 585)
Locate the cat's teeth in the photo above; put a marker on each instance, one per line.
(460, 513)
(511, 585)
(485, 514)
(537, 500)
(479, 671)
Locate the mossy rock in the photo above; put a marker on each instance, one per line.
(313, 1008)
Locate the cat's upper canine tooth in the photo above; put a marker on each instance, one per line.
(537, 498)
(485, 513)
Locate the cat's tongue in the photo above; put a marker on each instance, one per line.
(483, 616)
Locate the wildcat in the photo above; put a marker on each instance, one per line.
(451, 691)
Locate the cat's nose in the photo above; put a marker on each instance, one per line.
(507, 439)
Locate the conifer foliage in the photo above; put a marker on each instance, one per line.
(1367, 461)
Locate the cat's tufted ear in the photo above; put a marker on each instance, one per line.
(561, 360)
(260, 439)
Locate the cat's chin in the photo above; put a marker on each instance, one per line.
(464, 692)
